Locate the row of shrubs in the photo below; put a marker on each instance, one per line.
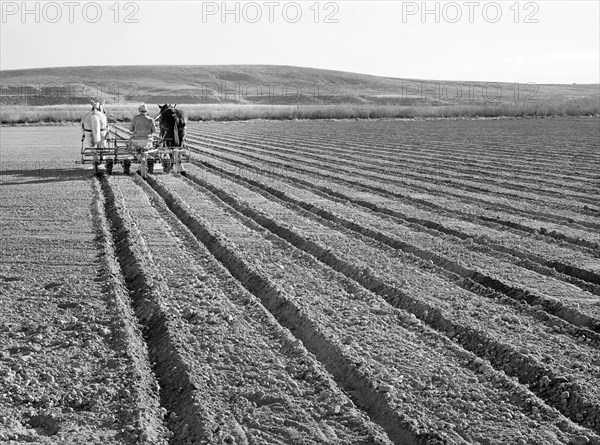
(19, 114)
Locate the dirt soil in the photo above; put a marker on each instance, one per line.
(352, 282)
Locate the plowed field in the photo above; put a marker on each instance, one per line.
(307, 282)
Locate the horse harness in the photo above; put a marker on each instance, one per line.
(102, 129)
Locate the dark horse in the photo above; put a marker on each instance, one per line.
(172, 125)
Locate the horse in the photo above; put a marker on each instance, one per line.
(94, 126)
(172, 125)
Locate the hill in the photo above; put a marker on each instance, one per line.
(265, 84)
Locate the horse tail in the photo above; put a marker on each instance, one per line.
(96, 125)
(176, 130)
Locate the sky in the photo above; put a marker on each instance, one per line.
(544, 41)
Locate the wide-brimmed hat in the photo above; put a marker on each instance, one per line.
(143, 108)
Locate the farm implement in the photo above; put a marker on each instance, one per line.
(120, 150)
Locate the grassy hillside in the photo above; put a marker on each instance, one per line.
(262, 84)
(274, 92)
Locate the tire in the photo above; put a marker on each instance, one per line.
(126, 166)
(167, 165)
(109, 166)
(150, 166)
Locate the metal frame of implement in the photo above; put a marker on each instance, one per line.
(121, 150)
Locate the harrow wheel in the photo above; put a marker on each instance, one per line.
(177, 161)
(167, 165)
(96, 164)
(150, 165)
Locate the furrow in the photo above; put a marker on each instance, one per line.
(403, 162)
(433, 202)
(485, 237)
(148, 292)
(258, 381)
(379, 273)
(418, 177)
(149, 420)
(539, 145)
(411, 152)
(531, 254)
(359, 337)
(460, 154)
